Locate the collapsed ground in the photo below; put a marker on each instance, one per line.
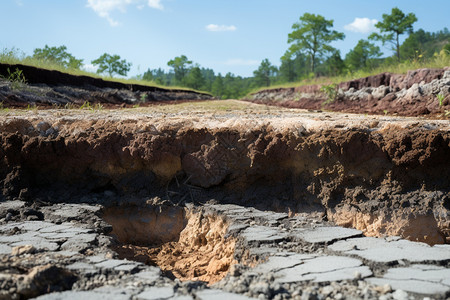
(242, 196)
(238, 196)
(382, 175)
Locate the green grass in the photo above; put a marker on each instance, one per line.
(15, 56)
(439, 60)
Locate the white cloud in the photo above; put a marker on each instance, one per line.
(19, 2)
(241, 62)
(89, 68)
(215, 27)
(361, 25)
(104, 7)
(155, 4)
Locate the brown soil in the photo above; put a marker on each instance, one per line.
(381, 174)
(199, 251)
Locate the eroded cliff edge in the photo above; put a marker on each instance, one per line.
(384, 175)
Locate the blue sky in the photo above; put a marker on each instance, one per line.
(225, 35)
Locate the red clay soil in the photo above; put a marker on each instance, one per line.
(413, 94)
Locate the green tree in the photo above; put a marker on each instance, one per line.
(264, 73)
(392, 26)
(362, 55)
(57, 55)
(181, 66)
(287, 69)
(195, 78)
(217, 87)
(312, 35)
(447, 48)
(148, 75)
(334, 65)
(112, 64)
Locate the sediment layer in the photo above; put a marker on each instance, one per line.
(383, 175)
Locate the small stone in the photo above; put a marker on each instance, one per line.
(327, 290)
(383, 289)
(8, 217)
(25, 249)
(400, 295)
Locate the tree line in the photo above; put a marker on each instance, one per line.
(309, 55)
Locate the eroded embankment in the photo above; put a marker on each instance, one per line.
(419, 92)
(384, 176)
(53, 89)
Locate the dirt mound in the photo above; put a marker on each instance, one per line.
(414, 94)
(50, 88)
(387, 169)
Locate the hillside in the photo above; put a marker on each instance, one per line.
(23, 86)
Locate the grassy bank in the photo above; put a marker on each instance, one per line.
(14, 56)
(438, 61)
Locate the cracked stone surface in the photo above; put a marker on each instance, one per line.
(386, 250)
(279, 257)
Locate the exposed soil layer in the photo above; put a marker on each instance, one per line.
(414, 94)
(186, 244)
(384, 175)
(50, 88)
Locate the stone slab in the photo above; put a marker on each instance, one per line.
(219, 295)
(150, 274)
(381, 250)
(156, 293)
(85, 295)
(326, 234)
(111, 263)
(423, 279)
(338, 267)
(412, 285)
(38, 243)
(277, 263)
(263, 234)
(13, 204)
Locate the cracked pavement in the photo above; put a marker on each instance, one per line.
(279, 257)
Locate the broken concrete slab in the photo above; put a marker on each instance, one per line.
(322, 269)
(412, 285)
(150, 274)
(277, 263)
(263, 234)
(85, 295)
(219, 295)
(156, 293)
(281, 261)
(422, 279)
(326, 234)
(381, 250)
